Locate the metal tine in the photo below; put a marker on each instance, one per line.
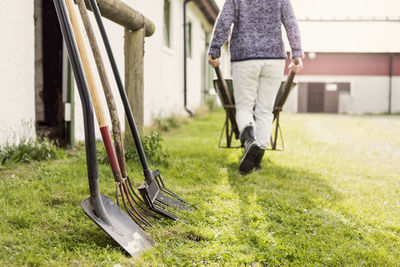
(131, 214)
(163, 209)
(168, 201)
(134, 192)
(145, 211)
(162, 187)
(136, 217)
(166, 190)
(133, 207)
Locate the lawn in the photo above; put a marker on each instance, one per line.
(331, 198)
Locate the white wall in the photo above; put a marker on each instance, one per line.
(16, 70)
(396, 95)
(115, 34)
(368, 94)
(163, 79)
(163, 66)
(369, 36)
(365, 37)
(326, 8)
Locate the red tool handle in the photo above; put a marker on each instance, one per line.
(94, 93)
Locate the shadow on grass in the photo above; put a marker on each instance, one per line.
(288, 217)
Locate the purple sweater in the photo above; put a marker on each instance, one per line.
(257, 31)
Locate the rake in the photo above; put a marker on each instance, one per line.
(123, 187)
(155, 194)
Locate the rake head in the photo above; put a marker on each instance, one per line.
(160, 199)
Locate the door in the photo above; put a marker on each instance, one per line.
(315, 97)
(52, 78)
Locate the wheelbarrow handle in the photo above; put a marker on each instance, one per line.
(287, 86)
(223, 82)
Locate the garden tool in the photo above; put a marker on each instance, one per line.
(119, 179)
(102, 210)
(122, 186)
(153, 190)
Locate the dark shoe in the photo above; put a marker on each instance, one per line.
(247, 136)
(252, 153)
(247, 139)
(257, 162)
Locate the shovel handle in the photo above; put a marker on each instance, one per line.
(86, 67)
(93, 92)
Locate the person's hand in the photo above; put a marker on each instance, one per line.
(296, 65)
(213, 61)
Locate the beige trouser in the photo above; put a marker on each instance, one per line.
(256, 83)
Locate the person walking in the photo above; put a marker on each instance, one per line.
(258, 58)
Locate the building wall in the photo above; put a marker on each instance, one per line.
(163, 74)
(366, 93)
(368, 75)
(115, 34)
(17, 104)
(163, 66)
(348, 26)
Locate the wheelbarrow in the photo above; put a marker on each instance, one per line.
(224, 89)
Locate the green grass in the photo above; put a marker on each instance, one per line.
(331, 198)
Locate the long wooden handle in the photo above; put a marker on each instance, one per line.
(86, 67)
(94, 94)
(222, 82)
(112, 108)
(287, 86)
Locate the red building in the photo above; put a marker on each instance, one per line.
(352, 62)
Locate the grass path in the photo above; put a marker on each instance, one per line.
(331, 198)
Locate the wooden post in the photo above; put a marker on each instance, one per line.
(134, 74)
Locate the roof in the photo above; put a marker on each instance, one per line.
(209, 8)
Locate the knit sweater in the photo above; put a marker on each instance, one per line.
(257, 31)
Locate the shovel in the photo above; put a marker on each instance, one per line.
(102, 210)
(155, 194)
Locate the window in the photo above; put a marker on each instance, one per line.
(167, 23)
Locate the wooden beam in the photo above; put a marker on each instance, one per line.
(121, 13)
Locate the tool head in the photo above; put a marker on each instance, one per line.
(160, 199)
(129, 235)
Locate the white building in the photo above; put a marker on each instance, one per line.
(35, 93)
(352, 62)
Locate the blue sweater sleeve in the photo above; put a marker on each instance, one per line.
(222, 28)
(292, 29)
